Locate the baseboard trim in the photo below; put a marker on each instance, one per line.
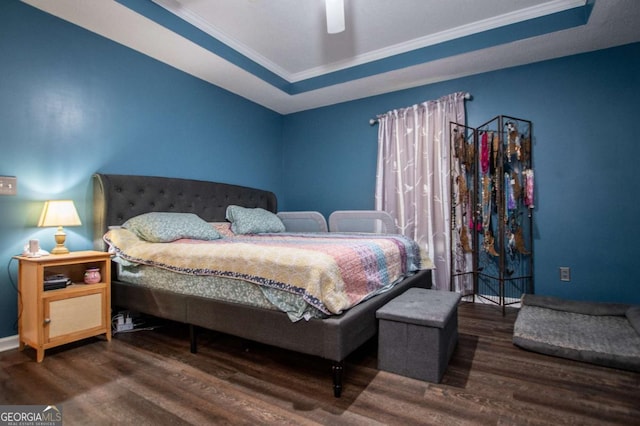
(8, 343)
(493, 300)
(11, 342)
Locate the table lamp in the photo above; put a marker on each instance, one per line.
(59, 213)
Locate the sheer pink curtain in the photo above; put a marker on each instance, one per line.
(412, 180)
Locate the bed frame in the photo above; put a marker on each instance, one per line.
(117, 198)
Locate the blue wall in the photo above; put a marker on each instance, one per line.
(73, 103)
(583, 109)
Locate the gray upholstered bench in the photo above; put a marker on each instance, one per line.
(418, 332)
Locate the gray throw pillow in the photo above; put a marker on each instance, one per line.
(253, 221)
(164, 227)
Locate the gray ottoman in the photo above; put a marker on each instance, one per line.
(418, 332)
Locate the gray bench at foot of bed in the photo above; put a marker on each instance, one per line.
(418, 332)
(599, 333)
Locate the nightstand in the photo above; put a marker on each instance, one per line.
(55, 317)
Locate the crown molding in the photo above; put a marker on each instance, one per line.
(533, 12)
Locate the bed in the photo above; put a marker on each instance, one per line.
(118, 198)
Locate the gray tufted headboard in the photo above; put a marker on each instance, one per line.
(117, 198)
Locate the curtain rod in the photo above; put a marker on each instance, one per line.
(374, 121)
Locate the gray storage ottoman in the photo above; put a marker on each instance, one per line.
(418, 332)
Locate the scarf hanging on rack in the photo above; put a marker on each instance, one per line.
(528, 191)
(484, 153)
(509, 192)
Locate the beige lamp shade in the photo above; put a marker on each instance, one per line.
(59, 213)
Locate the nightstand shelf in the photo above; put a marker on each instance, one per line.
(56, 317)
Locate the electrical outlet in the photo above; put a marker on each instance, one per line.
(8, 185)
(565, 273)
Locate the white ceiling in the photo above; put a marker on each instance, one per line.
(288, 38)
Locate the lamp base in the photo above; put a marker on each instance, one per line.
(60, 238)
(60, 249)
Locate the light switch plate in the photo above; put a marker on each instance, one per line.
(8, 185)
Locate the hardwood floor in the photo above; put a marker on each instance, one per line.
(150, 377)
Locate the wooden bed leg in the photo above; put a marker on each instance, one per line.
(337, 368)
(193, 337)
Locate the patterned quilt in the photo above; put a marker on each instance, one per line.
(331, 272)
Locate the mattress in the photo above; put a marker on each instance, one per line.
(306, 276)
(218, 288)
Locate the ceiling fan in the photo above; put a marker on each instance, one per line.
(335, 16)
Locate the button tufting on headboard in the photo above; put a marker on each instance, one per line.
(117, 198)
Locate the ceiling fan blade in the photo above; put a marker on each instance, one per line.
(335, 16)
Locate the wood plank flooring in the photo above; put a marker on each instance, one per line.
(151, 378)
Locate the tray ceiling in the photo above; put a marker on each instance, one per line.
(278, 53)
